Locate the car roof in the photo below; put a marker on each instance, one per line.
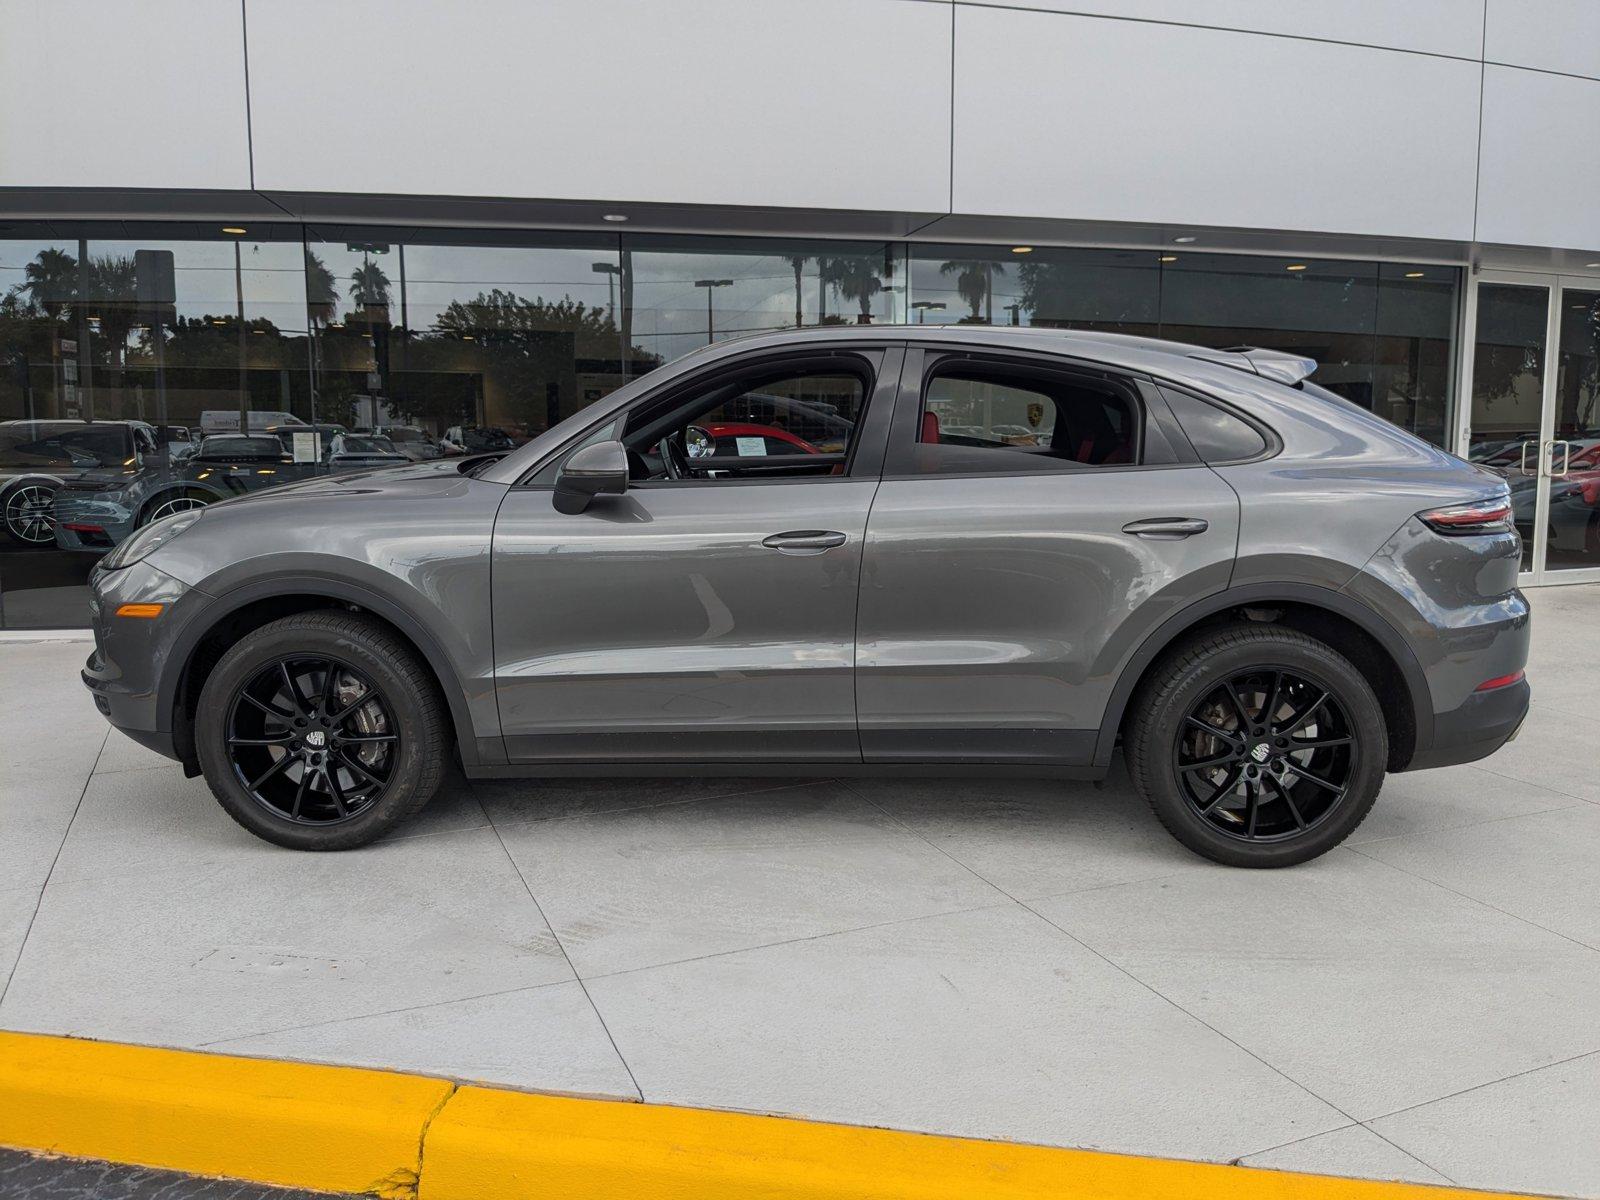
(1128, 351)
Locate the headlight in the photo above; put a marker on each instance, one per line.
(146, 541)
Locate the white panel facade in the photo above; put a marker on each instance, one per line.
(101, 93)
(1550, 35)
(830, 103)
(1062, 116)
(1541, 171)
(1453, 27)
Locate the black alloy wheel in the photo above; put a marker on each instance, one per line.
(312, 740)
(1257, 745)
(1266, 754)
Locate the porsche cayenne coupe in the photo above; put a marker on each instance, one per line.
(1025, 551)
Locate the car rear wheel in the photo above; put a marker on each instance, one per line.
(1257, 746)
(30, 514)
(172, 503)
(321, 731)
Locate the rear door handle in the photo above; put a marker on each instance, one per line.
(1166, 528)
(805, 541)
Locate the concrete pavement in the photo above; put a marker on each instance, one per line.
(1026, 960)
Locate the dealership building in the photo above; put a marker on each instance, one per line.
(433, 219)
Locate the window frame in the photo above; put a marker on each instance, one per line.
(879, 363)
(923, 364)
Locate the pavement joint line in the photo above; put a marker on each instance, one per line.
(1478, 1087)
(1300, 1141)
(567, 958)
(402, 1136)
(27, 933)
(1425, 833)
(1151, 988)
(1531, 783)
(1444, 887)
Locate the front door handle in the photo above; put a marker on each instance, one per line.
(1166, 528)
(805, 541)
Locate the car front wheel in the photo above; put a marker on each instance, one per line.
(1257, 746)
(321, 731)
(30, 514)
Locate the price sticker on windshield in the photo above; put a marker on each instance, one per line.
(751, 447)
(307, 446)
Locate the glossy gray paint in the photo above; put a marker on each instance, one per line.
(995, 618)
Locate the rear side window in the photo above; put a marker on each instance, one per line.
(1216, 434)
(987, 417)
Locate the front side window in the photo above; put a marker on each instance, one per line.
(782, 424)
(977, 417)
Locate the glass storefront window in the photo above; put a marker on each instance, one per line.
(1381, 334)
(687, 292)
(189, 345)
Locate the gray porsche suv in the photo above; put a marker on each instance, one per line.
(950, 550)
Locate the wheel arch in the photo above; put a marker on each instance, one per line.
(1377, 650)
(252, 605)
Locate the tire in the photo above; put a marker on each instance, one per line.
(168, 503)
(30, 513)
(1301, 788)
(372, 769)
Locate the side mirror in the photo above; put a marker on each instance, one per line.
(592, 471)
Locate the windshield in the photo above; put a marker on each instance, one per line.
(240, 448)
(404, 435)
(47, 444)
(367, 445)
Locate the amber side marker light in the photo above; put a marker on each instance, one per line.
(147, 611)
(1500, 681)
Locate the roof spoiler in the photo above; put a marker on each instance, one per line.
(1278, 365)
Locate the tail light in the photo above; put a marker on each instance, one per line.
(1464, 520)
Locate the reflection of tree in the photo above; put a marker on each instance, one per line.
(369, 286)
(322, 293)
(51, 281)
(798, 262)
(855, 277)
(524, 346)
(975, 283)
(113, 296)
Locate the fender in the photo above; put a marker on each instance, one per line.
(1359, 613)
(475, 749)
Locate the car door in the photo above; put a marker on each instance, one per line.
(1034, 521)
(708, 618)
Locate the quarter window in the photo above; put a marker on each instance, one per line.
(1216, 435)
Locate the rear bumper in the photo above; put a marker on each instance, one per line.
(1487, 721)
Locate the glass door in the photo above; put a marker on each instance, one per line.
(1572, 509)
(1534, 416)
(1507, 427)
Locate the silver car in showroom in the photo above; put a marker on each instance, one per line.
(1263, 596)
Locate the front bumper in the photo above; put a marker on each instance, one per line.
(131, 654)
(1479, 727)
(92, 521)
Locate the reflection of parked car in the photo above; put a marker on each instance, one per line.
(103, 506)
(353, 450)
(410, 441)
(475, 439)
(37, 457)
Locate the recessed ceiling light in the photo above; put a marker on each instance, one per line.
(1169, 258)
(1022, 249)
(1185, 240)
(614, 217)
(234, 229)
(1413, 274)
(1295, 267)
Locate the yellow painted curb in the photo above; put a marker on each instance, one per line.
(339, 1129)
(346, 1129)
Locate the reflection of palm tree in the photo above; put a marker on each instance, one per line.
(322, 294)
(975, 283)
(51, 280)
(114, 291)
(798, 262)
(855, 277)
(369, 286)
